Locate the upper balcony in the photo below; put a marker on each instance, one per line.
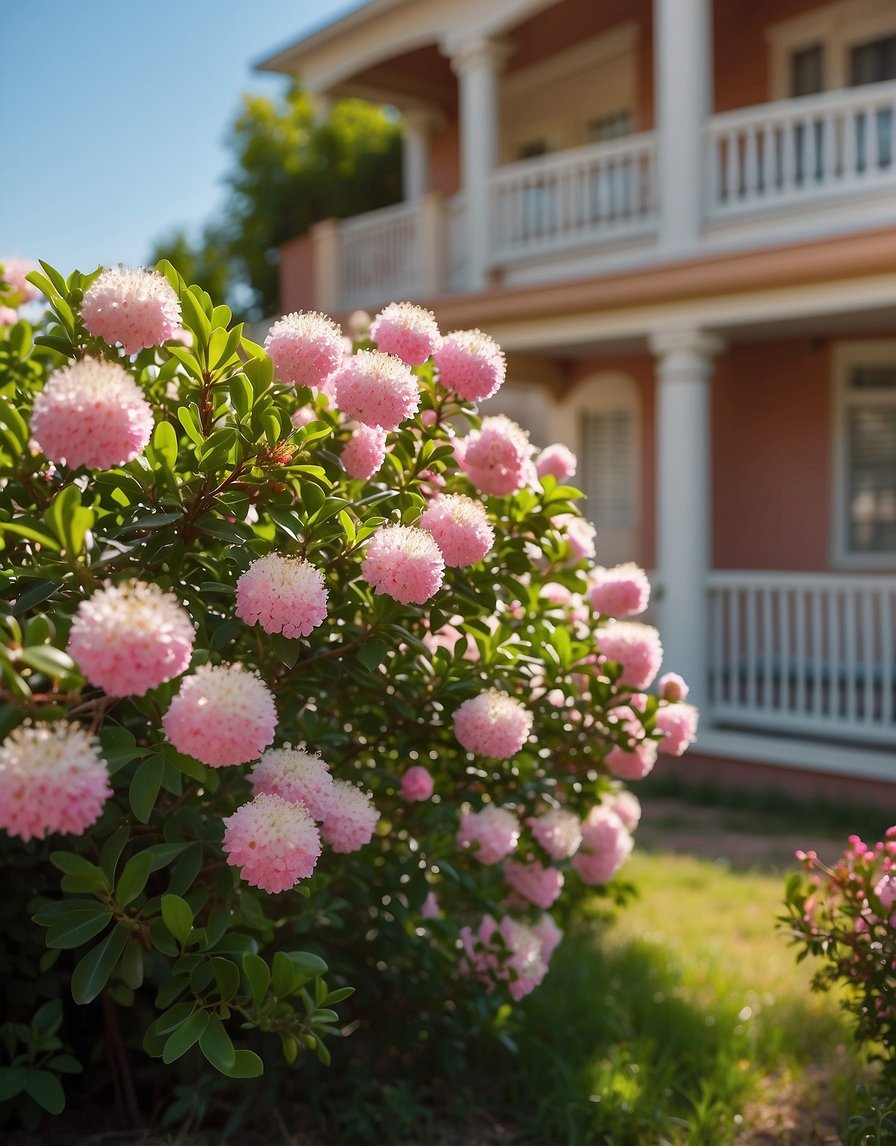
(566, 142)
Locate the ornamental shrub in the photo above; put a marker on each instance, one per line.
(845, 916)
(264, 745)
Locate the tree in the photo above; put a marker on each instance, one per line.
(291, 170)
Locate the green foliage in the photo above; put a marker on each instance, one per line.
(142, 915)
(291, 169)
(845, 916)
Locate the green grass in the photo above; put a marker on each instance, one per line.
(678, 1021)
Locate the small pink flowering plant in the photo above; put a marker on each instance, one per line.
(300, 652)
(845, 915)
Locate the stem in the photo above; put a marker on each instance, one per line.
(125, 1094)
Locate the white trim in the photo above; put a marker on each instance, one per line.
(846, 356)
(726, 312)
(796, 752)
(838, 27)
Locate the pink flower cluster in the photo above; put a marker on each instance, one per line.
(134, 307)
(282, 594)
(364, 452)
(52, 779)
(497, 458)
(492, 833)
(559, 832)
(274, 842)
(520, 958)
(678, 724)
(557, 461)
(13, 271)
(606, 845)
(407, 331)
(622, 591)
(223, 714)
(533, 881)
(470, 364)
(417, 784)
(92, 414)
(492, 724)
(672, 687)
(274, 839)
(130, 638)
(377, 389)
(306, 348)
(351, 818)
(637, 758)
(404, 562)
(635, 647)
(461, 528)
(295, 775)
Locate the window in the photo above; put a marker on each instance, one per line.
(807, 71)
(607, 459)
(874, 62)
(600, 419)
(866, 428)
(616, 125)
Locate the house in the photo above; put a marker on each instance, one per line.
(679, 220)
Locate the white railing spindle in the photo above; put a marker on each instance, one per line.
(805, 653)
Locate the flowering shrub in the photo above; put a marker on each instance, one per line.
(287, 663)
(845, 915)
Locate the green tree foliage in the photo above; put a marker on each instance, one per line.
(291, 170)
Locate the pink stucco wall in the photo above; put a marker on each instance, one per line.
(771, 465)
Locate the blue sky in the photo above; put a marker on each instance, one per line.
(115, 116)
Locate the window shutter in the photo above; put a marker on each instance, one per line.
(607, 467)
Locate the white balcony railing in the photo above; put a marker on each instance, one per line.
(813, 654)
(800, 150)
(601, 192)
(380, 255)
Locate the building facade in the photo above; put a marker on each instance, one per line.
(679, 220)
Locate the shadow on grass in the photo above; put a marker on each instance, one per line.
(613, 1052)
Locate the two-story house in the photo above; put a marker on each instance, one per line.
(679, 220)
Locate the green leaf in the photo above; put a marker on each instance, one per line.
(132, 965)
(283, 974)
(37, 591)
(92, 972)
(112, 849)
(69, 519)
(258, 975)
(144, 789)
(188, 416)
(12, 1081)
(372, 653)
(309, 966)
(133, 879)
(164, 444)
(77, 927)
(186, 1035)
(246, 1064)
(215, 1044)
(30, 533)
(80, 874)
(227, 977)
(46, 1090)
(178, 917)
(313, 497)
(50, 661)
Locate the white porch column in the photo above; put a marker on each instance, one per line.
(683, 507)
(417, 124)
(683, 100)
(477, 65)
